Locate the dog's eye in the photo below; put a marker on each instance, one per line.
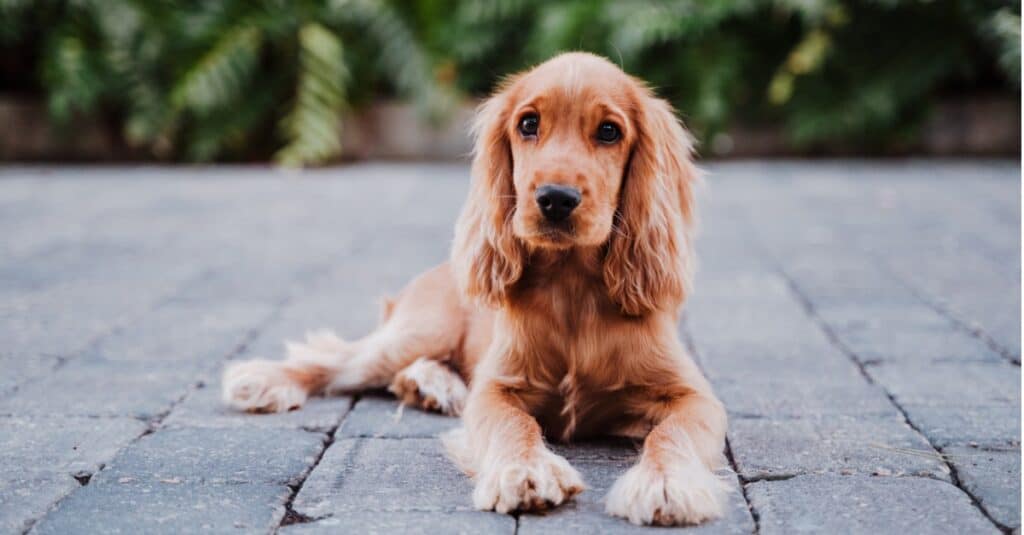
(608, 133)
(529, 125)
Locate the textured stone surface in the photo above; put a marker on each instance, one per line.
(60, 445)
(411, 522)
(377, 416)
(994, 426)
(26, 497)
(993, 477)
(859, 504)
(168, 508)
(831, 299)
(842, 445)
(133, 389)
(378, 474)
(224, 456)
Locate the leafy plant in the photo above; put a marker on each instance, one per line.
(222, 79)
(201, 79)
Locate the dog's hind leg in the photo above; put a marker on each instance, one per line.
(430, 385)
(426, 320)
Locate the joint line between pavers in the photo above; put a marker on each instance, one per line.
(153, 424)
(691, 346)
(834, 340)
(290, 515)
(977, 331)
(810, 310)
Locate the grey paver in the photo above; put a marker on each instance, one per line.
(988, 426)
(769, 448)
(134, 389)
(952, 384)
(60, 445)
(864, 504)
(376, 416)
(993, 477)
(777, 397)
(124, 290)
(411, 522)
(204, 408)
(412, 474)
(168, 508)
(26, 497)
(203, 455)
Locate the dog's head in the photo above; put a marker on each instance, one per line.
(577, 154)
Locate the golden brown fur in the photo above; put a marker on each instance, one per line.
(560, 331)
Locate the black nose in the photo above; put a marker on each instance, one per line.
(557, 202)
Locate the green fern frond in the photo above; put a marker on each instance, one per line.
(74, 75)
(1005, 26)
(228, 130)
(401, 57)
(311, 128)
(638, 26)
(221, 75)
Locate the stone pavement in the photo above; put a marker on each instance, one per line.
(861, 322)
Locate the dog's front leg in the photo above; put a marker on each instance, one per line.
(502, 447)
(674, 481)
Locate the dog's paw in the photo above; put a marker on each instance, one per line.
(430, 385)
(543, 481)
(679, 495)
(260, 386)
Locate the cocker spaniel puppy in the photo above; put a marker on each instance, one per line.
(557, 314)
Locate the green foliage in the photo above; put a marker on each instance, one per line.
(209, 79)
(224, 79)
(311, 126)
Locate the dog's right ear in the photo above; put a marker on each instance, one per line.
(486, 257)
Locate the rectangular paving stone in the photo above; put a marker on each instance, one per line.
(177, 331)
(770, 448)
(915, 344)
(379, 474)
(777, 397)
(998, 427)
(198, 455)
(993, 478)
(103, 388)
(62, 446)
(25, 497)
(753, 363)
(407, 522)
(864, 504)
(169, 508)
(204, 408)
(380, 417)
(951, 384)
(20, 369)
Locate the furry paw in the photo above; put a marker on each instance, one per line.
(676, 495)
(542, 481)
(260, 386)
(430, 385)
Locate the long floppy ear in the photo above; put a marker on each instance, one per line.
(648, 265)
(486, 257)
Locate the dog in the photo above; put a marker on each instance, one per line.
(556, 315)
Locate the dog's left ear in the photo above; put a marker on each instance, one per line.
(648, 265)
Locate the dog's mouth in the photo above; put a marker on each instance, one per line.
(555, 235)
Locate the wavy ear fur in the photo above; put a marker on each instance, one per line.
(486, 257)
(648, 264)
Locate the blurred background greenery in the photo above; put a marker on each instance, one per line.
(203, 80)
